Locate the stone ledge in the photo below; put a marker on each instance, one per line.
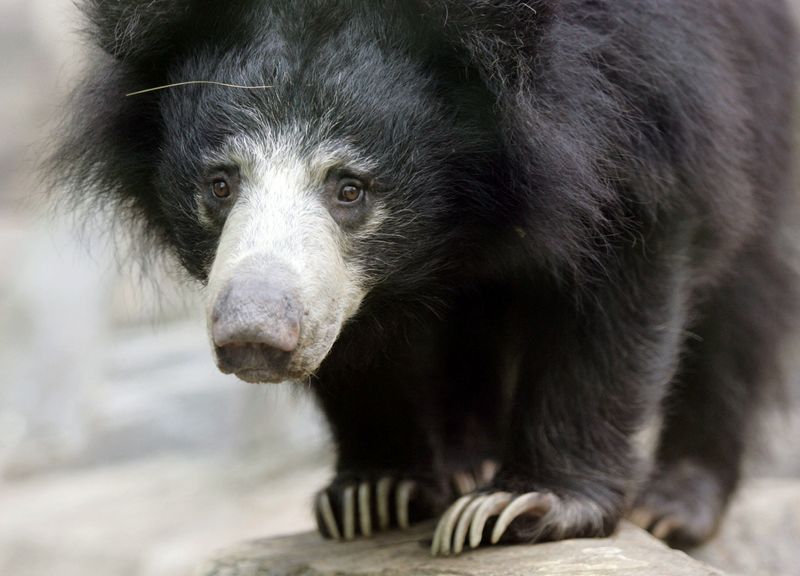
(761, 533)
(631, 552)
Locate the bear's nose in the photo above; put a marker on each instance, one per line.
(255, 324)
(254, 311)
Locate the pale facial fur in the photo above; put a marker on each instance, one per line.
(280, 218)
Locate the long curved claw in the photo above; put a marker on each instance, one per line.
(659, 526)
(349, 512)
(402, 501)
(437, 534)
(464, 483)
(364, 511)
(488, 471)
(532, 503)
(383, 491)
(642, 517)
(492, 506)
(665, 527)
(464, 522)
(444, 531)
(326, 512)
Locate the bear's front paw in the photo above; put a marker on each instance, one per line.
(495, 516)
(350, 508)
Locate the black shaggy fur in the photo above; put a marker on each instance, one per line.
(586, 200)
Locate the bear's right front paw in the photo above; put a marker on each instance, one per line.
(349, 508)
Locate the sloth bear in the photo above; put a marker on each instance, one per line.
(495, 238)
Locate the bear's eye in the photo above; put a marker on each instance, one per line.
(221, 188)
(350, 191)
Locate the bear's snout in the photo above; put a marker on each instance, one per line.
(256, 323)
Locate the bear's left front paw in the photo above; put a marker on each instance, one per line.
(527, 517)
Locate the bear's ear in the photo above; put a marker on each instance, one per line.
(136, 29)
(497, 37)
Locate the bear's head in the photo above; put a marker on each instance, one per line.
(297, 157)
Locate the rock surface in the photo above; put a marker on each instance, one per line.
(759, 537)
(631, 552)
(761, 534)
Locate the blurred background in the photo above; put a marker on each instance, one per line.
(122, 450)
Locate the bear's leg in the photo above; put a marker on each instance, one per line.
(475, 356)
(416, 425)
(382, 410)
(591, 373)
(728, 365)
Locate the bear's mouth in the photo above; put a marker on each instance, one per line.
(255, 363)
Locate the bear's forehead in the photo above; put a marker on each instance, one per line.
(338, 66)
(292, 153)
(369, 104)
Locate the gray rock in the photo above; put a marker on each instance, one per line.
(761, 534)
(631, 552)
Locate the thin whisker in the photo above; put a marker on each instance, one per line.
(192, 82)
